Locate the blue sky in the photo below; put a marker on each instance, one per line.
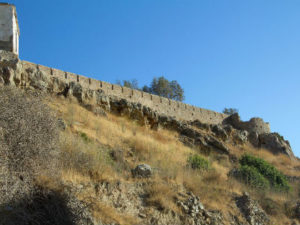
(225, 53)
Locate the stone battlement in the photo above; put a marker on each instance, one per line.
(159, 104)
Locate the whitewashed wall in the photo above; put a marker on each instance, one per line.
(15, 34)
(8, 27)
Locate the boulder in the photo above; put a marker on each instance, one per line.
(142, 171)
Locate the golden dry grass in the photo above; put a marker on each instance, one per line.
(108, 214)
(157, 148)
(161, 194)
(88, 161)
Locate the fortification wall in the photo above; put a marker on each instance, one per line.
(161, 105)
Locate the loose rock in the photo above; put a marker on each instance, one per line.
(142, 171)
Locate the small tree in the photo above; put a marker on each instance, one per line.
(146, 89)
(177, 92)
(168, 89)
(230, 111)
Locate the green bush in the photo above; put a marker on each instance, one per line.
(253, 178)
(85, 137)
(276, 179)
(198, 162)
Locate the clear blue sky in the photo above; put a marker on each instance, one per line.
(225, 53)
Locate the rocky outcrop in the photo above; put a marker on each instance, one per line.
(258, 133)
(241, 136)
(251, 210)
(197, 214)
(192, 133)
(219, 131)
(275, 143)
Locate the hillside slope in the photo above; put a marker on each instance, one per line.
(117, 162)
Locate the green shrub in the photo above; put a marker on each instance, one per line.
(85, 137)
(198, 162)
(276, 179)
(253, 178)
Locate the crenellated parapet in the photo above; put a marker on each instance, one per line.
(159, 104)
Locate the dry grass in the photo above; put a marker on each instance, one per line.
(108, 214)
(90, 162)
(161, 195)
(157, 148)
(86, 158)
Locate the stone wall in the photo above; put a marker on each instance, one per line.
(253, 125)
(161, 105)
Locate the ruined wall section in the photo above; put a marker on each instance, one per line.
(159, 104)
(255, 124)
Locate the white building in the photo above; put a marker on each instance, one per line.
(9, 28)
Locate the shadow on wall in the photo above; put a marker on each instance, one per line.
(42, 207)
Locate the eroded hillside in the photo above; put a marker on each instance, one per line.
(116, 162)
